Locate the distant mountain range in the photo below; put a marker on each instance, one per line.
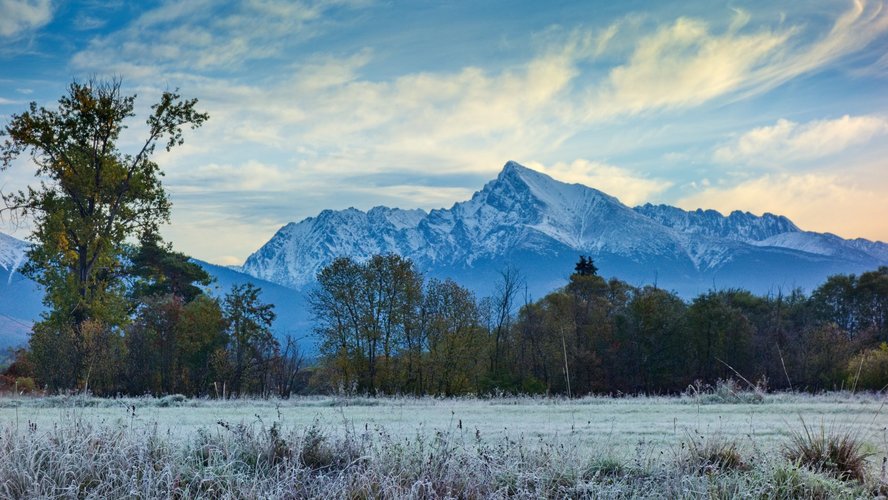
(532, 222)
(539, 225)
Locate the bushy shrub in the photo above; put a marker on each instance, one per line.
(727, 391)
(26, 385)
(792, 481)
(869, 369)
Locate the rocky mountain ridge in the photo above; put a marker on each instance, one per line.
(528, 219)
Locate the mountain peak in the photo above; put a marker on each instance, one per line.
(548, 190)
(513, 166)
(515, 170)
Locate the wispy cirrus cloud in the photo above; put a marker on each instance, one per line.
(19, 16)
(204, 35)
(532, 107)
(787, 141)
(686, 63)
(329, 104)
(86, 23)
(857, 28)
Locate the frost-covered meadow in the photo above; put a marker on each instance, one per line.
(714, 444)
(616, 424)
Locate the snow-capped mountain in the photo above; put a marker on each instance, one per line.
(521, 211)
(527, 219)
(298, 251)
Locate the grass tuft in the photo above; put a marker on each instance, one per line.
(838, 453)
(712, 455)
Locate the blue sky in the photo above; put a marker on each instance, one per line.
(760, 106)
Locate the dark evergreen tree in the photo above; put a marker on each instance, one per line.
(251, 343)
(585, 267)
(158, 270)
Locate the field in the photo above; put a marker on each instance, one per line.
(719, 444)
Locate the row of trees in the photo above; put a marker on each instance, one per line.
(125, 313)
(384, 328)
(204, 346)
(175, 338)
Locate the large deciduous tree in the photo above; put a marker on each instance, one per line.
(90, 199)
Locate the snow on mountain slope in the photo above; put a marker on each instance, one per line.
(738, 226)
(828, 244)
(876, 249)
(299, 250)
(527, 218)
(12, 253)
(19, 297)
(574, 215)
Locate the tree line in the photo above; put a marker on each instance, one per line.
(384, 328)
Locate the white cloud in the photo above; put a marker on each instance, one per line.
(879, 68)
(468, 119)
(629, 187)
(228, 260)
(524, 110)
(815, 202)
(250, 176)
(197, 36)
(412, 196)
(788, 141)
(19, 16)
(86, 23)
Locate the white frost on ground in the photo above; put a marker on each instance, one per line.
(623, 425)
